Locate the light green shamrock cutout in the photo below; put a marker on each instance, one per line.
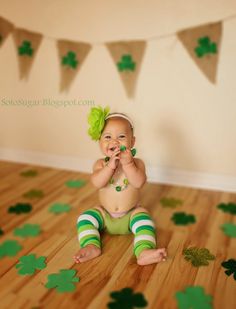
(59, 208)
(194, 297)
(33, 194)
(70, 60)
(27, 230)
(25, 49)
(9, 248)
(126, 63)
(29, 264)
(205, 46)
(62, 281)
(170, 202)
(198, 256)
(229, 229)
(29, 173)
(75, 183)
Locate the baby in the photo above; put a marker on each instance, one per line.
(119, 178)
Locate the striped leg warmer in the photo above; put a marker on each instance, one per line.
(143, 229)
(88, 225)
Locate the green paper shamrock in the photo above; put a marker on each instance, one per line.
(62, 281)
(127, 299)
(181, 218)
(231, 266)
(29, 264)
(194, 297)
(75, 183)
(33, 194)
(1, 232)
(70, 60)
(205, 46)
(29, 173)
(27, 230)
(25, 49)
(20, 208)
(96, 120)
(9, 248)
(126, 63)
(198, 256)
(59, 208)
(229, 229)
(230, 208)
(170, 202)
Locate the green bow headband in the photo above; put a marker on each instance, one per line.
(96, 120)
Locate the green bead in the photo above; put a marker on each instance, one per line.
(126, 181)
(133, 151)
(107, 159)
(118, 188)
(122, 148)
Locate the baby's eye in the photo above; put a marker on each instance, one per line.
(122, 136)
(107, 137)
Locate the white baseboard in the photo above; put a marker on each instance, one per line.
(162, 175)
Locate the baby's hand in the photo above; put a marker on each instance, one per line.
(114, 159)
(126, 157)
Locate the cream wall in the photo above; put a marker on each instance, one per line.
(183, 122)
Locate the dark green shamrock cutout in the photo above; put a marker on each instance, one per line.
(70, 60)
(75, 183)
(194, 297)
(170, 202)
(198, 256)
(33, 194)
(127, 299)
(126, 63)
(205, 46)
(9, 248)
(27, 230)
(231, 266)
(25, 49)
(20, 208)
(29, 264)
(230, 208)
(59, 208)
(29, 173)
(181, 218)
(1, 232)
(62, 281)
(229, 229)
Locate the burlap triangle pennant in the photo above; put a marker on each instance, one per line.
(27, 44)
(203, 45)
(128, 57)
(5, 29)
(71, 55)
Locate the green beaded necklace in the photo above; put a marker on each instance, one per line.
(125, 180)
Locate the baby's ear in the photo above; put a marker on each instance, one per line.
(133, 141)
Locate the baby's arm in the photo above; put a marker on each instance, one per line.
(135, 172)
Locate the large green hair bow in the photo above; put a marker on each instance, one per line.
(96, 120)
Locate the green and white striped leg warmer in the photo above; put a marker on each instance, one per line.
(143, 228)
(88, 225)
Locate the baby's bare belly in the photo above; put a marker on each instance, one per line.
(115, 202)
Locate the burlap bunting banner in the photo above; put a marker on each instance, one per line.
(71, 56)
(5, 29)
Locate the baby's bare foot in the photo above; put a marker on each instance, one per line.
(151, 256)
(87, 253)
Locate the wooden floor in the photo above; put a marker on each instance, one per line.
(116, 268)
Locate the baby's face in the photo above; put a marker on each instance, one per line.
(117, 132)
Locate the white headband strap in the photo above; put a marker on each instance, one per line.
(121, 116)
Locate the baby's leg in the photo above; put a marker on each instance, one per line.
(143, 228)
(89, 224)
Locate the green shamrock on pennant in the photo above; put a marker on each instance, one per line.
(29, 173)
(230, 208)
(70, 60)
(205, 46)
(27, 230)
(229, 229)
(170, 202)
(59, 208)
(231, 266)
(75, 183)
(126, 63)
(198, 256)
(127, 299)
(29, 264)
(62, 281)
(20, 208)
(25, 49)
(181, 218)
(33, 194)
(194, 297)
(9, 248)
